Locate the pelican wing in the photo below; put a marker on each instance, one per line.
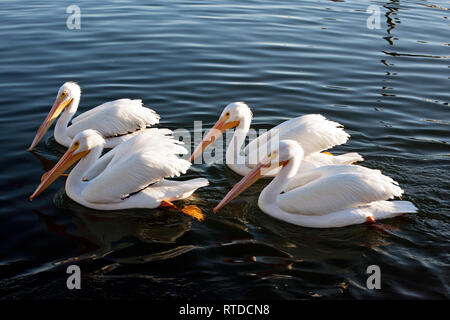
(313, 132)
(133, 165)
(319, 159)
(124, 148)
(114, 118)
(334, 188)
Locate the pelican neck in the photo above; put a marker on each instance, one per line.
(60, 132)
(235, 159)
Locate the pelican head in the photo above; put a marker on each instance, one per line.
(88, 140)
(81, 145)
(68, 92)
(236, 111)
(231, 117)
(279, 156)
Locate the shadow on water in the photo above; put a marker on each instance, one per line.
(107, 231)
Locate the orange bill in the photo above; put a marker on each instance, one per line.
(253, 176)
(57, 108)
(67, 160)
(219, 128)
(242, 185)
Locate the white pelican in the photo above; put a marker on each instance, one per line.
(313, 132)
(132, 175)
(325, 197)
(116, 120)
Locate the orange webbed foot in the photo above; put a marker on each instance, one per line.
(192, 211)
(370, 220)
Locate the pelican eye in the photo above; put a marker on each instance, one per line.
(63, 94)
(227, 114)
(76, 144)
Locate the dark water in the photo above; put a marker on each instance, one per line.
(187, 59)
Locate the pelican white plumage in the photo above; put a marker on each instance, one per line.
(116, 120)
(325, 197)
(132, 175)
(313, 132)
